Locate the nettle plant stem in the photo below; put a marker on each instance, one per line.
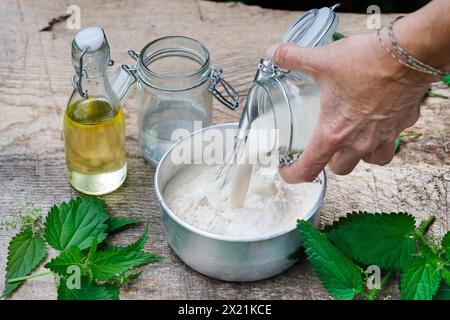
(32, 276)
(372, 295)
(426, 224)
(420, 232)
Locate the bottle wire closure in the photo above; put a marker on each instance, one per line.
(78, 76)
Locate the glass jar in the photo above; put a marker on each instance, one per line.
(289, 101)
(175, 87)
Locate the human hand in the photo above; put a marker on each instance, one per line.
(367, 99)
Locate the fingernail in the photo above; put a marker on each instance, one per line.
(271, 51)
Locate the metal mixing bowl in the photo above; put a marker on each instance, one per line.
(222, 257)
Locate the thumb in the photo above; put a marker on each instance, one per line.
(293, 57)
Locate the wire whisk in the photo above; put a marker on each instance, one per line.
(231, 160)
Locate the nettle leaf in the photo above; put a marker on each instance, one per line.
(25, 251)
(443, 293)
(76, 223)
(114, 290)
(446, 79)
(420, 280)
(124, 280)
(68, 258)
(375, 239)
(116, 223)
(105, 265)
(446, 244)
(337, 36)
(446, 276)
(397, 144)
(113, 261)
(87, 291)
(340, 276)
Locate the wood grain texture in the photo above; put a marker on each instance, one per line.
(35, 72)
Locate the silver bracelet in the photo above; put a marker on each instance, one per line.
(402, 56)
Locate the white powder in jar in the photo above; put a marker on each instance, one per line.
(271, 205)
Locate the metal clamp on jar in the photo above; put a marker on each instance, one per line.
(175, 85)
(291, 97)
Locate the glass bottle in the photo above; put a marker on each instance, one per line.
(94, 126)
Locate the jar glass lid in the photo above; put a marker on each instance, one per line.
(314, 28)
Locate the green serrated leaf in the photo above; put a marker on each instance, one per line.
(114, 290)
(397, 143)
(132, 277)
(113, 261)
(76, 223)
(124, 280)
(68, 258)
(87, 291)
(446, 79)
(337, 36)
(139, 244)
(375, 239)
(443, 293)
(446, 244)
(427, 252)
(25, 251)
(446, 275)
(340, 276)
(420, 280)
(92, 250)
(116, 223)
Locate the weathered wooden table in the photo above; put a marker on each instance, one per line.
(35, 74)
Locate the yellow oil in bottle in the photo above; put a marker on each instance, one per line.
(94, 136)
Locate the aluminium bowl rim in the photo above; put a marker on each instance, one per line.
(159, 194)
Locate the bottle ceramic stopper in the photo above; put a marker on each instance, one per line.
(90, 38)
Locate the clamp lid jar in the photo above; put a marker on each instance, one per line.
(175, 86)
(288, 99)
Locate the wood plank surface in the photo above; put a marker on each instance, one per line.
(35, 74)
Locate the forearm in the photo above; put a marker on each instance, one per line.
(425, 34)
